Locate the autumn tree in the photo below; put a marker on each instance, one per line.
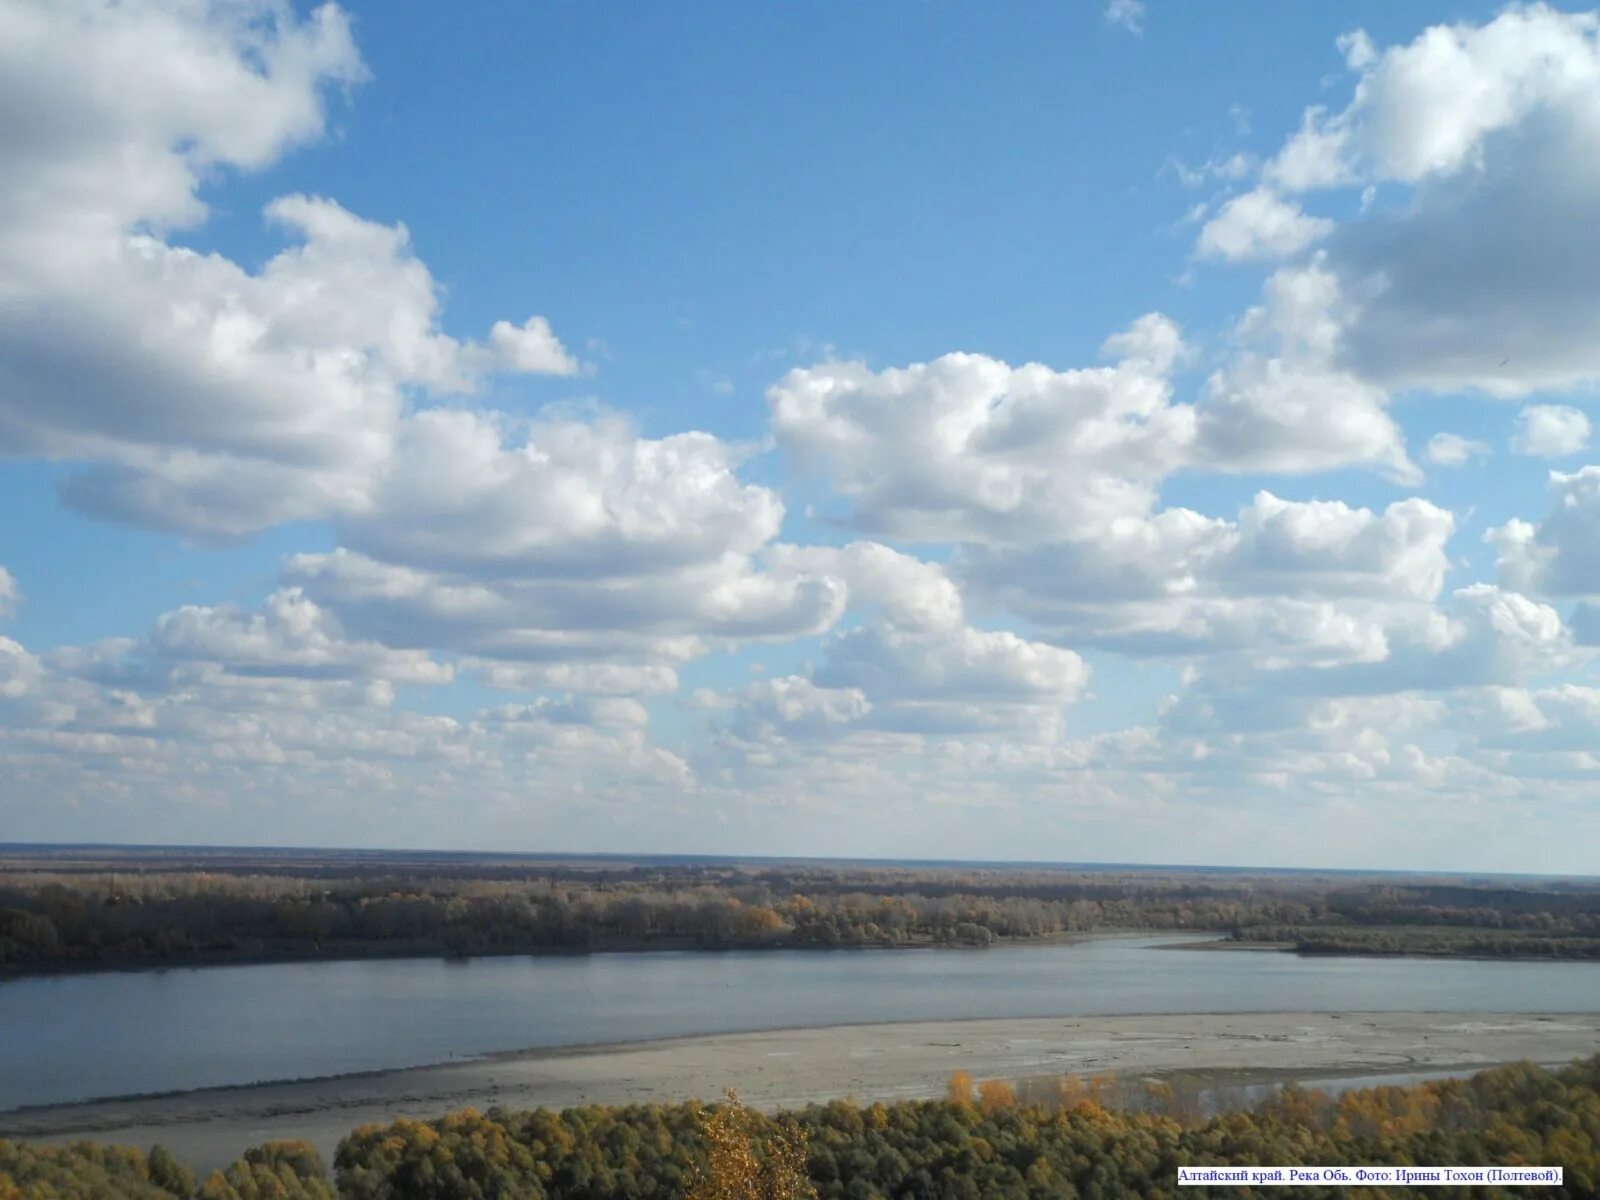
(750, 1158)
(996, 1094)
(959, 1088)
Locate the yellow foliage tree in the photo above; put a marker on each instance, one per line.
(742, 1165)
(995, 1094)
(759, 921)
(959, 1089)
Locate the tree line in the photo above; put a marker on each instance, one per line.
(1057, 1140)
(51, 920)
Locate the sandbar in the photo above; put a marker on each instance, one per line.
(789, 1068)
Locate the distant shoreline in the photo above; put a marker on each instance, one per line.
(638, 946)
(790, 1068)
(1203, 939)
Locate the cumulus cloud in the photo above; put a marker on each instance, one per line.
(251, 720)
(967, 447)
(565, 549)
(1485, 636)
(557, 498)
(641, 618)
(1559, 556)
(881, 681)
(530, 347)
(606, 678)
(966, 666)
(1317, 648)
(1550, 431)
(1453, 450)
(909, 593)
(1260, 224)
(1289, 582)
(291, 637)
(795, 704)
(1477, 272)
(1283, 403)
(915, 666)
(205, 397)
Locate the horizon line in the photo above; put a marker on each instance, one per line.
(768, 859)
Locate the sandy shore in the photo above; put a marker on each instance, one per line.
(795, 1067)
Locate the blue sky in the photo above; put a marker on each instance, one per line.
(1263, 562)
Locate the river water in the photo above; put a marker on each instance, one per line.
(76, 1037)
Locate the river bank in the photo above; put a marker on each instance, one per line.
(796, 1067)
(353, 953)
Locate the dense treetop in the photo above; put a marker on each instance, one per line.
(1057, 1139)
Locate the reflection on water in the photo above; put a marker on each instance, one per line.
(74, 1037)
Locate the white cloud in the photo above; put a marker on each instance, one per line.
(1474, 269)
(1485, 636)
(290, 637)
(1550, 431)
(1453, 450)
(19, 670)
(1560, 556)
(531, 348)
(1283, 404)
(795, 703)
(910, 593)
(228, 721)
(1313, 158)
(1330, 657)
(1153, 341)
(968, 447)
(923, 687)
(1273, 414)
(1260, 224)
(1312, 583)
(10, 594)
(567, 551)
(605, 678)
(914, 668)
(557, 498)
(966, 666)
(1229, 167)
(205, 397)
(1126, 14)
(643, 618)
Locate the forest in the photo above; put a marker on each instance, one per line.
(1054, 1139)
(58, 915)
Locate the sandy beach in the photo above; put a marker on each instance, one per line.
(795, 1067)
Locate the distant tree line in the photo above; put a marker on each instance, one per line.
(1444, 941)
(988, 1142)
(56, 920)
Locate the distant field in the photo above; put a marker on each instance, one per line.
(320, 861)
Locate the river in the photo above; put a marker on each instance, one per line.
(77, 1037)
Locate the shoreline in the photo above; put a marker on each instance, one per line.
(73, 969)
(791, 1068)
(1198, 939)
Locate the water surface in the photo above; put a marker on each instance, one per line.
(76, 1037)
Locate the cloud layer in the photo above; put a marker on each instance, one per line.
(1026, 608)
